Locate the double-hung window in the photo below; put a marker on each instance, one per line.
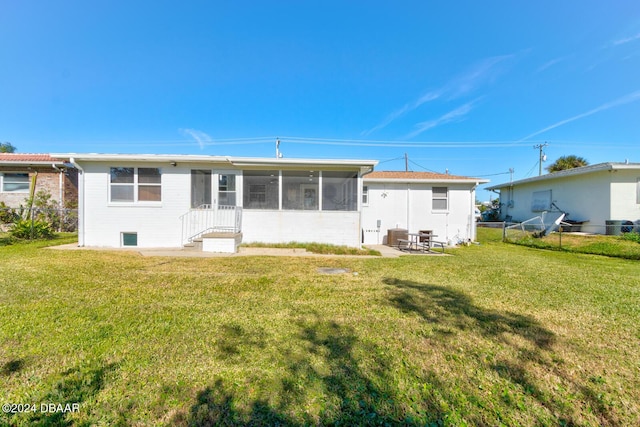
(365, 195)
(15, 182)
(439, 198)
(132, 185)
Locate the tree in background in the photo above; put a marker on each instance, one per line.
(7, 147)
(567, 162)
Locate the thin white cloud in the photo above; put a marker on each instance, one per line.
(452, 116)
(480, 73)
(549, 64)
(626, 40)
(201, 138)
(626, 99)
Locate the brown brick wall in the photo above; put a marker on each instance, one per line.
(70, 195)
(48, 180)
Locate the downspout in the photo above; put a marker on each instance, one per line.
(409, 206)
(60, 193)
(81, 206)
(360, 187)
(472, 215)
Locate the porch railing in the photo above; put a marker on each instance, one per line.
(206, 219)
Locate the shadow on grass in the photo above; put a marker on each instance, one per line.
(327, 374)
(232, 339)
(442, 305)
(6, 240)
(11, 367)
(456, 312)
(322, 371)
(74, 386)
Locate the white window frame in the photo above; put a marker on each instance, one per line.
(445, 198)
(226, 191)
(365, 195)
(136, 187)
(3, 182)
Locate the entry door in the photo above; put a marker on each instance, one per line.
(200, 188)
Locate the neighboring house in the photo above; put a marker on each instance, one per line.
(172, 200)
(19, 170)
(595, 195)
(418, 201)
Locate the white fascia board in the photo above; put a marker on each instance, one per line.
(570, 172)
(94, 157)
(324, 163)
(256, 162)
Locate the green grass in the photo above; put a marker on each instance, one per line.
(58, 239)
(625, 246)
(317, 248)
(495, 334)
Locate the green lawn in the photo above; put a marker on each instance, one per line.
(625, 246)
(495, 334)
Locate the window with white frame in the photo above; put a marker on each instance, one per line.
(439, 198)
(365, 195)
(131, 185)
(227, 190)
(15, 182)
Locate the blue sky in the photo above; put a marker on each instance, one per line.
(464, 86)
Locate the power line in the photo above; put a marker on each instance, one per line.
(528, 174)
(493, 174)
(391, 160)
(420, 166)
(363, 142)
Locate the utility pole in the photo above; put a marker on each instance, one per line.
(278, 153)
(406, 162)
(542, 158)
(511, 175)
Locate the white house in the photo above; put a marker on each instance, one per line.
(170, 200)
(418, 201)
(595, 194)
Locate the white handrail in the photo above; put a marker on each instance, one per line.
(207, 218)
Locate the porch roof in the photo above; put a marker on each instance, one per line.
(252, 162)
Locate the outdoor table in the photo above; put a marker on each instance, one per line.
(421, 241)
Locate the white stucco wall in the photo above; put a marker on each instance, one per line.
(624, 195)
(409, 206)
(272, 226)
(595, 197)
(158, 224)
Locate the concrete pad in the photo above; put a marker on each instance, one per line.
(385, 251)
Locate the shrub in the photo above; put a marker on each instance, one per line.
(8, 215)
(27, 229)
